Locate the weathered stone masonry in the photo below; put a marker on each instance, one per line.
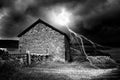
(42, 39)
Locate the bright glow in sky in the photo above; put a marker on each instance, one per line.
(60, 16)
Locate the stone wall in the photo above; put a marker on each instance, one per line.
(43, 40)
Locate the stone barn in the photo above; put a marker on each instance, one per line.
(43, 39)
(51, 44)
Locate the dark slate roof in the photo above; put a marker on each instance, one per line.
(37, 22)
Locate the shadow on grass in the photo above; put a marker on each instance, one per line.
(9, 71)
(39, 76)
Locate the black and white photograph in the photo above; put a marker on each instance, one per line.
(59, 39)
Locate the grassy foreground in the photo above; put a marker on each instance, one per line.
(57, 71)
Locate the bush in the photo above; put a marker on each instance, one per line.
(102, 61)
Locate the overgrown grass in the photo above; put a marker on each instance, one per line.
(51, 71)
(39, 76)
(12, 71)
(102, 62)
(8, 69)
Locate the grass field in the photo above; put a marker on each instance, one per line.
(62, 71)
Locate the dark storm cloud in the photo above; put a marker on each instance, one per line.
(6, 3)
(12, 23)
(104, 28)
(39, 4)
(91, 6)
(17, 12)
(107, 10)
(87, 5)
(93, 13)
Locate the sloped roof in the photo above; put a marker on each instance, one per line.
(50, 26)
(37, 22)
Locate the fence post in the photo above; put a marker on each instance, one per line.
(28, 58)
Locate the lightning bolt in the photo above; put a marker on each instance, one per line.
(82, 48)
(63, 18)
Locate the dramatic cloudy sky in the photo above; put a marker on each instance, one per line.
(99, 18)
